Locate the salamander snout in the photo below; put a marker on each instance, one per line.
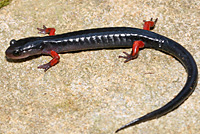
(23, 48)
(13, 51)
(10, 53)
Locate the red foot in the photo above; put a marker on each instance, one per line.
(149, 25)
(134, 53)
(53, 62)
(45, 30)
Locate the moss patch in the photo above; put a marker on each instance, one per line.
(4, 3)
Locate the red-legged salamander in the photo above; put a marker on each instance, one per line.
(110, 38)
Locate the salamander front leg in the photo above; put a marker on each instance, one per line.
(53, 62)
(56, 57)
(45, 30)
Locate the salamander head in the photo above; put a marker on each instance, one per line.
(24, 48)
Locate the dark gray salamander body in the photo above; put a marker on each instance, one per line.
(113, 38)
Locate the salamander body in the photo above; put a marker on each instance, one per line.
(111, 38)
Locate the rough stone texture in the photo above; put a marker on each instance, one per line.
(95, 92)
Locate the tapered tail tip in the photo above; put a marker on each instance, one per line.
(117, 130)
(132, 123)
(123, 127)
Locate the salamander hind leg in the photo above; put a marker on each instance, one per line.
(148, 25)
(134, 53)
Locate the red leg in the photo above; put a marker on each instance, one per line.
(134, 53)
(45, 30)
(148, 25)
(53, 62)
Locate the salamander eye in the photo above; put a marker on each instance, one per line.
(12, 42)
(16, 53)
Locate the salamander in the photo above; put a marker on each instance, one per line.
(111, 38)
